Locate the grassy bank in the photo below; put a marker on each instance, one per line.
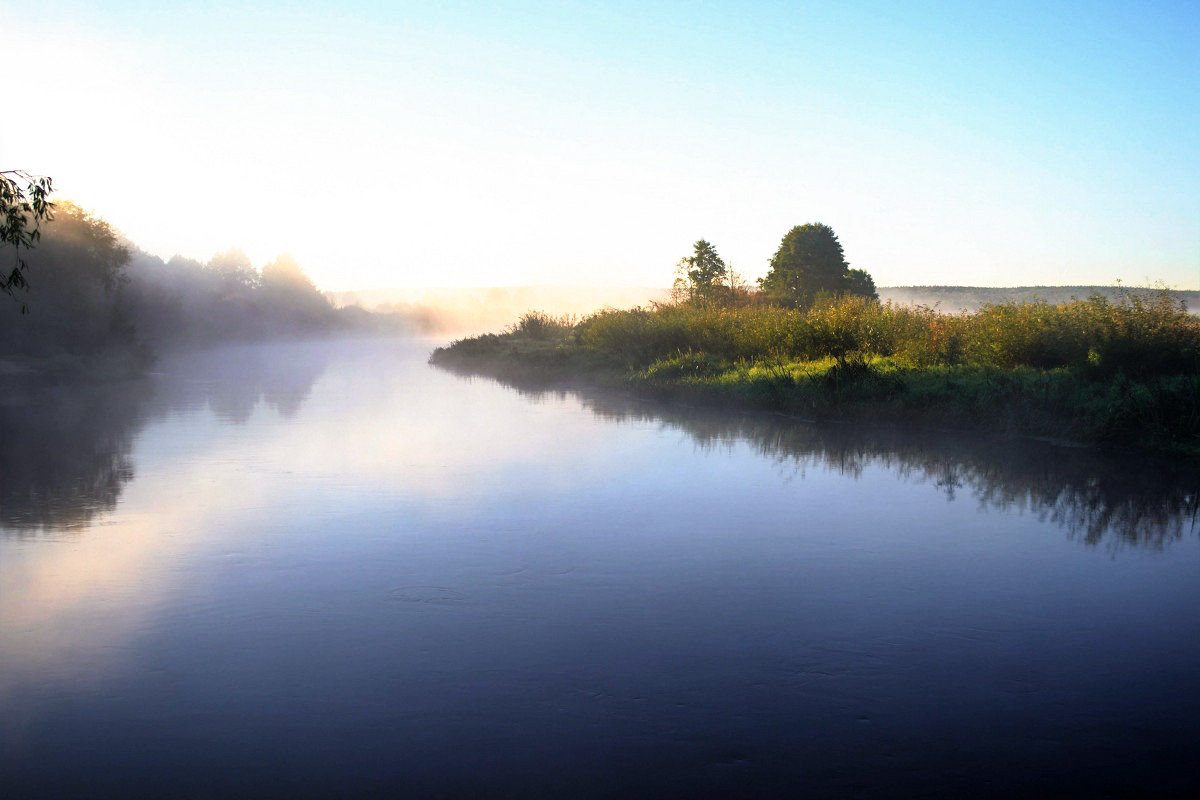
(1121, 375)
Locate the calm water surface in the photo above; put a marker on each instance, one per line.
(332, 570)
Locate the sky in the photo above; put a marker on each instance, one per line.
(391, 144)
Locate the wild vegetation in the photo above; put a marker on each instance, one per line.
(1120, 373)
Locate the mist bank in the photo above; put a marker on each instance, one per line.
(471, 311)
(1118, 375)
(973, 298)
(96, 303)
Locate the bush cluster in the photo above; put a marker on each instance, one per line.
(542, 326)
(1140, 335)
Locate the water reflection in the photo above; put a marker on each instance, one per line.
(65, 448)
(1098, 500)
(406, 586)
(64, 453)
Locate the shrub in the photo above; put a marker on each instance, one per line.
(540, 325)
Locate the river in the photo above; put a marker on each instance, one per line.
(330, 569)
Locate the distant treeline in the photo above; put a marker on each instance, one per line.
(463, 312)
(973, 298)
(92, 293)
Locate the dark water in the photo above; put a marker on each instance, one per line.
(331, 570)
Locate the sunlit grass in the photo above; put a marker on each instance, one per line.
(1147, 334)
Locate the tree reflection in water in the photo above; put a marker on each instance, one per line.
(65, 452)
(65, 448)
(1096, 498)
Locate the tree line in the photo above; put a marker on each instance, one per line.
(79, 288)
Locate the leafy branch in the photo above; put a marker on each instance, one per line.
(24, 206)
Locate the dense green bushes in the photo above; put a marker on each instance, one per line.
(1118, 374)
(542, 326)
(1143, 335)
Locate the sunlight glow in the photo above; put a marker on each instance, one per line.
(536, 145)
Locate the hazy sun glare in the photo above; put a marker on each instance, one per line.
(536, 145)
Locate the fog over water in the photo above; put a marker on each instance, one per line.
(469, 312)
(310, 569)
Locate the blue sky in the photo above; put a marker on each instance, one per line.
(459, 144)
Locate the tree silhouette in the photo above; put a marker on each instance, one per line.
(809, 263)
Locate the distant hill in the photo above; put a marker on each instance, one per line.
(472, 311)
(971, 298)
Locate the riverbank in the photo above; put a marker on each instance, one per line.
(1114, 376)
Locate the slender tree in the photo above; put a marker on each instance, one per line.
(701, 276)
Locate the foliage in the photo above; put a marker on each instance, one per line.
(284, 274)
(234, 270)
(80, 265)
(1115, 373)
(543, 326)
(702, 276)
(96, 293)
(185, 301)
(91, 245)
(1148, 334)
(810, 263)
(284, 287)
(860, 283)
(24, 205)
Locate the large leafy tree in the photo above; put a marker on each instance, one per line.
(24, 205)
(810, 263)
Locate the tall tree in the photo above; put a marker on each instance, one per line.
(702, 275)
(810, 262)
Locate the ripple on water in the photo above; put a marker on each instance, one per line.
(428, 596)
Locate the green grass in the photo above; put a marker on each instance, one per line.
(1120, 375)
